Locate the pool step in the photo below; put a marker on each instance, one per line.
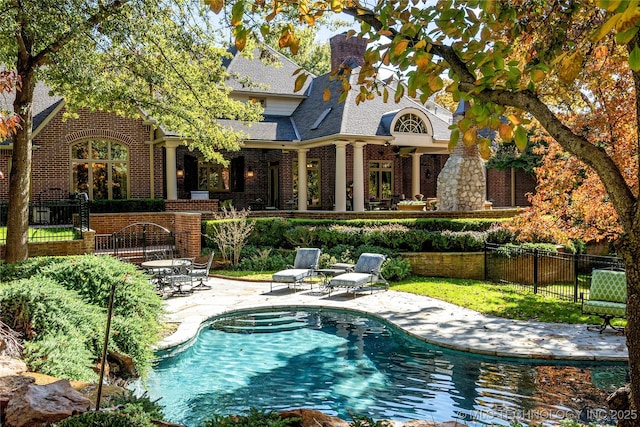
(261, 323)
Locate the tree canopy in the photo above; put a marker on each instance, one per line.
(520, 60)
(160, 60)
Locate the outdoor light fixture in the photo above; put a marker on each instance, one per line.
(180, 173)
(249, 173)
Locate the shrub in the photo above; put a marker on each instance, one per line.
(136, 305)
(255, 418)
(300, 236)
(56, 324)
(103, 419)
(230, 232)
(69, 297)
(396, 269)
(266, 259)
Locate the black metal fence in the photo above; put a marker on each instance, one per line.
(142, 241)
(52, 220)
(563, 275)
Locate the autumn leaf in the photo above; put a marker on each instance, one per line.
(236, 13)
(400, 47)
(453, 139)
(326, 95)
(215, 5)
(521, 138)
(336, 6)
(570, 67)
(470, 136)
(634, 59)
(484, 146)
(506, 132)
(300, 80)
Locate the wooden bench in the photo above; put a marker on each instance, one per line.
(607, 297)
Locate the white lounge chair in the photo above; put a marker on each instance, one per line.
(366, 272)
(304, 266)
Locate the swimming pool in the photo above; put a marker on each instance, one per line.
(345, 363)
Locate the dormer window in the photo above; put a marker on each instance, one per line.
(410, 123)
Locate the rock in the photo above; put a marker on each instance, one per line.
(11, 366)
(9, 384)
(312, 418)
(123, 365)
(39, 405)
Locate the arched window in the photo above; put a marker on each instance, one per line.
(410, 123)
(100, 168)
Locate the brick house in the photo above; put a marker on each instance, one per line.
(305, 154)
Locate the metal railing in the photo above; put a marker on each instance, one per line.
(142, 242)
(559, 274)
(52, 220)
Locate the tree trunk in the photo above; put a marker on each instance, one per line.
(20, 176)
(627, 247)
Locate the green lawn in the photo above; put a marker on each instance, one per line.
(489, 298)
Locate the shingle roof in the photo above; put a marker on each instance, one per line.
(275, 77)
(43, 104)
(371, 117)
(272, 128)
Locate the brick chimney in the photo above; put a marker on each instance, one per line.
(347, 50)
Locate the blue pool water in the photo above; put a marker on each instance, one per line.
(345, 364)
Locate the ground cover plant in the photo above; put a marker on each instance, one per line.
(59, 304)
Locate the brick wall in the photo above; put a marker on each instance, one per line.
(86, 245)
(177, 222)
(461, 265)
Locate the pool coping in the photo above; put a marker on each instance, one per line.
(428, 319)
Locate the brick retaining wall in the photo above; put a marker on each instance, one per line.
(459, 265)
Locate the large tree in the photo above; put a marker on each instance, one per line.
(503, 56)
(154, 58)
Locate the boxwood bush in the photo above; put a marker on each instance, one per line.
(411, 234)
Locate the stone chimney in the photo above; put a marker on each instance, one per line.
(462, 181)
(347, 50)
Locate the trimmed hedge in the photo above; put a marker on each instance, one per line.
(414, 235)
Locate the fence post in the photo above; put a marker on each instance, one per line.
(486, 254)
(535, 271)
(575, 275)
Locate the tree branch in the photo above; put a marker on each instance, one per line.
(99, 16)
(617, 188)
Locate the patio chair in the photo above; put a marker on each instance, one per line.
(200, 272)
(179, 276)
(366, 271)
(304, 266)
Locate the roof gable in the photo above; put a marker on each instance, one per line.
(267, 71)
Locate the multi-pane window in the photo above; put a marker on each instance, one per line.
(380, 179)
(410, 123)
(100, 168)
(313, 181)
(212, 176)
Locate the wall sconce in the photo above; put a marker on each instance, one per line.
(249, 173)
(180, 173)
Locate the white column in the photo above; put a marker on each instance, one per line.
(302, 180)
(170, 168)
(358, 176)
(340, 192)
(415, 174)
